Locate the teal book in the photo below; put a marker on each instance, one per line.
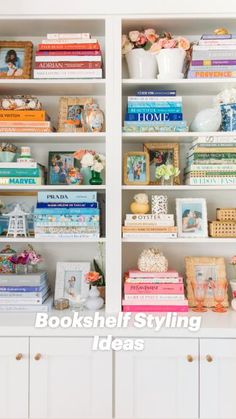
(20, 172)
(132, 109)
(21, 181)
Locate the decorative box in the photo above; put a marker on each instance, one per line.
(226, 214)
(223, 229)
(6, 266)
(228, 113)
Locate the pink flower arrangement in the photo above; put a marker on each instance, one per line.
(136, 39)
(93, 277)
(27, 257)
(167, 41)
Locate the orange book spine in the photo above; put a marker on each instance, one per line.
(25, 129)
(69, 47)
(22, 115)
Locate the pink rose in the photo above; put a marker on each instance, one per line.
(183, 43)
(134, 36)
(156, 47)
(141, 40)
(152, 37)
(170, 43)
(149, 32)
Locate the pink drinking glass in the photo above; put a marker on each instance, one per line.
(200, 289)
(219, 290)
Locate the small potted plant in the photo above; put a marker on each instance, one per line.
(167, 173)
(136, 47)
(94, 161)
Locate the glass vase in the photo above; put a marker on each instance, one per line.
(96, 178)
(169, 181)
(21, 269)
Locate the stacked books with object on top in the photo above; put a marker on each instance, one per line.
(68, 56)
(214, 57)
(23, 114)
(211, 162)
(67, 215)
(155, 111)
(25, 293)
(154, 292)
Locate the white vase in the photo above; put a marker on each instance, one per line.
(94, 301)
(141, 64)
(207, 120)
(170, 63)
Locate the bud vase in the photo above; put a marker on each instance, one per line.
(141, 64)
(169, 181)
(96, 178)
(170, 63)
(94, 301)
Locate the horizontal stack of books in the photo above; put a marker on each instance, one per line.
(68, 56)
(149, 226)
(23, 115)
(213, 57)
(25, 293)
(21, 173)
(211, 163)
(67, 215)
(155, 111)
(154, 292)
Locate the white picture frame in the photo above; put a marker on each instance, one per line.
(70, 281)
(191, 214)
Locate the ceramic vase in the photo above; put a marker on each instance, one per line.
(170, 63)
(94, 301)
(86, 173)
(207, 120)
(141, 64)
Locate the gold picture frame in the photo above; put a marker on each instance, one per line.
(136, 168)
(15, 59)
(210, 268)
(161, 148)
(70, 112)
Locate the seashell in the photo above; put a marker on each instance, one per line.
(152, 260)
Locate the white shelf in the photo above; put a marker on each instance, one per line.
(182, 137)
(183, 86)
(179, 188)
(51, 87)
(49, 240)
(55, 137)
(208, 240)
(11, 188)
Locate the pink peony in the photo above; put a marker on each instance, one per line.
(183, 43)
(152, 37)
(141, 40)
(134, 36)
(149, 32)
(170, 43)
(156, 47)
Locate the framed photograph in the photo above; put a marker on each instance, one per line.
(162, 153)
(209, 269)
(70, 281)
(136, 168)
(71, 112)
(63, 168)
(191, 217)
(15, 59)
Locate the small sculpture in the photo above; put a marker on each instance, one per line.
(207, 120)
(17, 222)
(152, 260)
(140, 205)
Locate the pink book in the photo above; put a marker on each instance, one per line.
(65, 52)
(153, 288)
(156, 309)
(139, 274)
(155, 303)
(140, 280)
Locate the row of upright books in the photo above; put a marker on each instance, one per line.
(68, 56)
(214, 57)
(154, 292)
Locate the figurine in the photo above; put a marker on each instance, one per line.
(17, 222)
(140, 205)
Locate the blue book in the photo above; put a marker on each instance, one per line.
(67, 205)
(153, 104)
(65, 211)
(146, 117)
(156, 93)
(154, 110)
(63, 196)
(211, 36)
(23, 289)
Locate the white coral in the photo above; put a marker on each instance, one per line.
(151, 260)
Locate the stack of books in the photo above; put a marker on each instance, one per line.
(213, 57)
(211, 163)
(67, 215)
(21, 173)
(155, 111)
(21, 293)
(154, 292)
(24, 119)
(68, 56)
(149, 226)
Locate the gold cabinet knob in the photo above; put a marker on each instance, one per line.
(19, 356)
(189, 358)
(37, 357)
(209, 358)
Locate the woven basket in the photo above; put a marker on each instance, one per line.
(222, 229)
(226, 214)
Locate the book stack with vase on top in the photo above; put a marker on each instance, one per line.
(214, 57)
(23, 114)
(67, 215)
(211, 161)
(24, 171)
(25, 293)
(155, 111)
(68, 56)
(154, 292)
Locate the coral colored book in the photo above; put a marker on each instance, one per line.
(21, 115)
(135, 273)
(66, 52)
(67, 65)
(166, 302)
(48, 47)
(19, 124)
(153, 288)
(155, 309)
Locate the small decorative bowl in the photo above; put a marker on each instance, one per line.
(7, 156)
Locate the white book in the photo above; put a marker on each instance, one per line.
(159, 223)
(213, 47)
(85, 35)
(154, 98)
(214, 180)
(151, 217)
(154, 297)
(214, 140)
(33, 308)
(66, 236)
(221, 42)
(68, 74)
(149, 235)
(16, 165)
(67, 58)
(69, 41)
(211, 167)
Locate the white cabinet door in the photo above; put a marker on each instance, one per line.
(217, 378)
(14, 365)
(69, 380)
(159, 382)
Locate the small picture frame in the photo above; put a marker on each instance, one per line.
(209, 269)
(71, 282)
(71, 113)
(136, 168)
(162, 153)
(15, 59)
(191, 216)
(63, 168)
